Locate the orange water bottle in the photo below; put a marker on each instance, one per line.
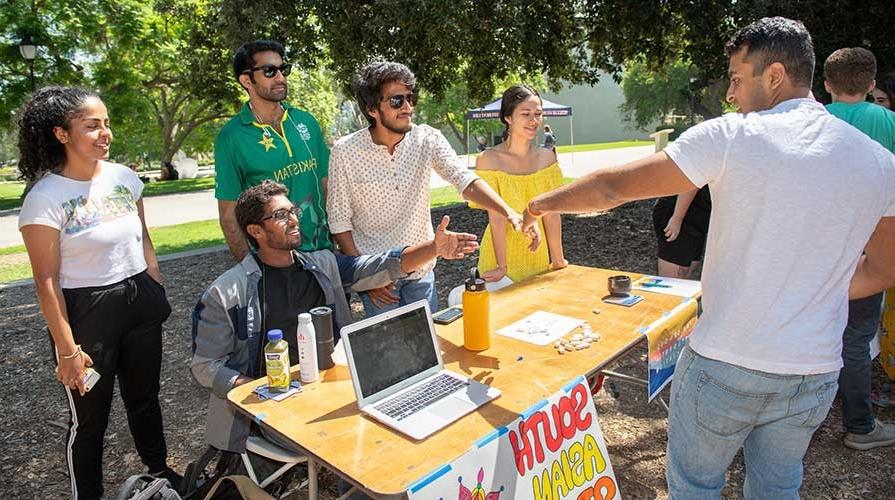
(476, 314)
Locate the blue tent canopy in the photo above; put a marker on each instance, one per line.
(492, 109)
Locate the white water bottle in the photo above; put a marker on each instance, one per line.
(307, 349)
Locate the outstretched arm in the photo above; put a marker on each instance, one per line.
(650, 177)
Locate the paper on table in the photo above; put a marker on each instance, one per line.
(540, 327)
(668, 286)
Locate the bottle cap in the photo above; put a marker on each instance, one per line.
(475, 283)
(304, 318)
(275, 335)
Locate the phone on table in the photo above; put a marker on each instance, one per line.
(91, 377)
(447, 316)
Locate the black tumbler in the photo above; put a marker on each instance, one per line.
(322, 318)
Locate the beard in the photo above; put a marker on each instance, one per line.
(273, 94)
(393, 126)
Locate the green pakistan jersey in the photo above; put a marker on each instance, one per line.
(247, 152)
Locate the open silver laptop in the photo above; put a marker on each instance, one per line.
(399, 377)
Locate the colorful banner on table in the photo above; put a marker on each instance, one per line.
(667, 336)
(554, 450)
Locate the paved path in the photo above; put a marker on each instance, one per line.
(173, 209)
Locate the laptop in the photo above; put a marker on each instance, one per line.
(399, 377)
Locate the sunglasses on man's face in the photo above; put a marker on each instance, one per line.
(397, 101)
(282, 215)
(269, 70)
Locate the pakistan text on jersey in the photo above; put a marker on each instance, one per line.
(295, 169)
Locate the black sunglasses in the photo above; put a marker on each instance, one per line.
(397, 101)
(269, 70)
(282, 215)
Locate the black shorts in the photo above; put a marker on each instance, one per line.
(688, 247)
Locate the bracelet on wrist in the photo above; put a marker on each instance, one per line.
(77, 352)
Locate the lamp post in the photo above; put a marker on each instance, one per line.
(29, 51)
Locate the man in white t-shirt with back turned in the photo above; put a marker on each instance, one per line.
(796, 196)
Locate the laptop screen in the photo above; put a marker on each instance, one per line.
(393, 350)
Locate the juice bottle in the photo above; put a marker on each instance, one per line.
(276, 359)
(476, 314)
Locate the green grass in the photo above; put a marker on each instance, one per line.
(577, 148)
(12, 250)
(167, 240)
(178, 186)
(187, 236)
(10, 192)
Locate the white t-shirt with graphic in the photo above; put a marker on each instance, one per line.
(796, 194)
(100, 234)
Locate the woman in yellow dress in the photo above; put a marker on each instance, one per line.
(519, 170)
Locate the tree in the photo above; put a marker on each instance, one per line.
(145, 75)
(651, 94)
(57, 28)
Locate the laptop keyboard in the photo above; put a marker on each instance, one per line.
(421, 396)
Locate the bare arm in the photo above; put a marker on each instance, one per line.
(681, 205)
(553, 232)
(346, 243)
(656, 175)
(499, 240)
(148, 250)
(235, 239)
(42, 244)
(876, 269)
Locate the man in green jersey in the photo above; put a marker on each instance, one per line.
(270, 139)
(849, 76)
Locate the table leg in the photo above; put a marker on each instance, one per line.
(312, 479)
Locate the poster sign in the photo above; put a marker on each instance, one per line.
(555, 450)
(667, 337)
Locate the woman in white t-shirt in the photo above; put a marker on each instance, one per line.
(96, 276)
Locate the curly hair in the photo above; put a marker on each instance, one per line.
(40, 152)
(375, 75)
(850, 71)
(251, 203)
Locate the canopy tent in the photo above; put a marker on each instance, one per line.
(491, 111)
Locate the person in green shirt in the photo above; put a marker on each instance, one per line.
(270, 139)
(849, 76)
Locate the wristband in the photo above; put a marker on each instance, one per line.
(76, 353)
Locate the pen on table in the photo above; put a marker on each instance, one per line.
(654, 285)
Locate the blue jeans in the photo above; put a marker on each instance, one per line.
(409, 291)
(854, 379)
(717, 408)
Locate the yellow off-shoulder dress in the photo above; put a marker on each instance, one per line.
(517, 190)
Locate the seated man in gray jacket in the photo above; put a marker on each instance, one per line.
(271, 286)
